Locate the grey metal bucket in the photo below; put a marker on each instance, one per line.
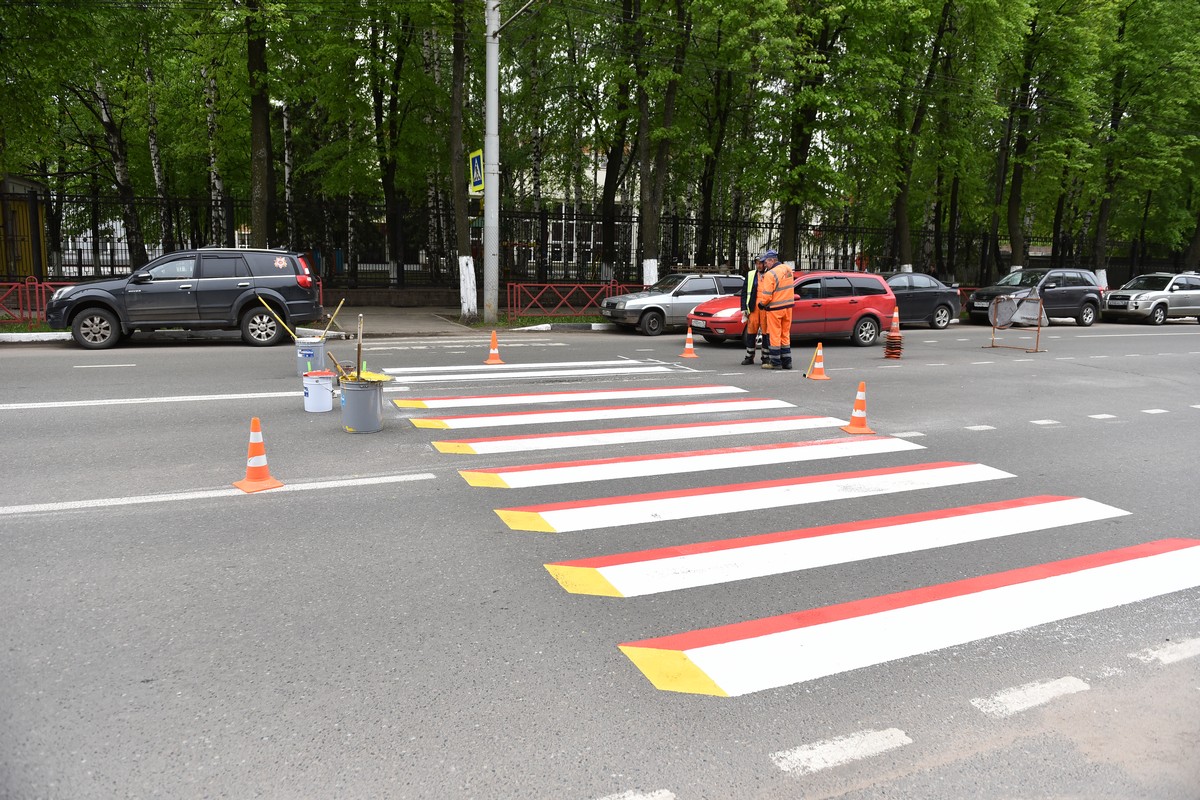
(310, 354)
(362, 406)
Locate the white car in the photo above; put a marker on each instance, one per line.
(668, 302)
(1155, 297)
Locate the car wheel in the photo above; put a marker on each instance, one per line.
(652, 323)
(260, 328)
(96, 329)
(941, 318)
(866, 332)
(1087, 315)
(708, 337)
(1158, 315)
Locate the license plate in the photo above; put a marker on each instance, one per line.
(699, 323)
(1117, 303)
(979, 304)
(606, 312)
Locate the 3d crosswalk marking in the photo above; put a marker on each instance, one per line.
(461, 377)
(581, 515)
(603, 469)
(597, 413)
(708, 563)
(778, 651)
(402, 373)
(482, 400)
(650, 433)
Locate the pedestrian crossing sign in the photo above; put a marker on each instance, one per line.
(477, 171)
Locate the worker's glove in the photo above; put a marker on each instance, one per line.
(745, 317)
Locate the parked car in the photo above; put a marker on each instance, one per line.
(1064, 293)
(923, 298)
(828, 304)
(1154, 298)
(209, 288)
(667, 303)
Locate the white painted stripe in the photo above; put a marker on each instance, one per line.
(1155, 411)
(776, 558)
(521, 444)
(406, 371)
(1044, 421)
(102, 366)
(794, 656)
(980, 428)
(481, 401)
(637, 369)
(591, 414)
(256, 461)
(108, 502)
(1022, 698)
(829, 753)
(1169, 654)
(661, 794)
(908, 435)
(126, 401)
(1102, 416)
(717, 502)
(671, 463)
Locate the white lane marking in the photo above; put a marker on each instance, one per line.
(810, 758)
(1022, 698)
(482, 344)
(109, 502)
(1102, 416)
(504, 367)
(1064, 358)
(1155, 411)
(1127, 335)
(935, 365)
(102, 366)
(889, 366)
(125, 401)
(481, 400)
(1022, 359)
(977, 363)
(908, 434)
(1169, 654)
(1097, 356)
(980, 428)
(1044, 422)
(634, 369)
(660, 794)
(462, 422)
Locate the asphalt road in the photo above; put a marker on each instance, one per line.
(377, 628)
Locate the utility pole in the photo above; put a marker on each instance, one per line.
(491, 166)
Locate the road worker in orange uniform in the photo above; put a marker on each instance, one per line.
(775, 298)
(752, 318)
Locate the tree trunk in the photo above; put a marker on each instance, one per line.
(1016, 201)
(120, 159)
(1191, 259)
(160, 180)
(615, 155)
(388, 121)
(989, 254)
(216, 186)
(289, 201)
(1100, 242)
(262, 174)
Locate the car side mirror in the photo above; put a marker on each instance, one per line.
(141, 277)
(1050, 286)
(1174, 288)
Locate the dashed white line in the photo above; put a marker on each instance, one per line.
(1065, 358)
(1155, 411)
(660, 794)
(1102, 416)
(1044, 422)
(1169, 654)
(817, 756)
(935, 365)
(1022, 698)
(977, 363)
(102, 366)
(907, 434)
(980, 428)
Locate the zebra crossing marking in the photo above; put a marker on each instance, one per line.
(597, 413)
(578, 515)
(723, 561)
(768, 653)
(637, 435)
(482, 400)
(603, 469)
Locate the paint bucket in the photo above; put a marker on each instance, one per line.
(318, 390)
(310, 354)
(362, 406)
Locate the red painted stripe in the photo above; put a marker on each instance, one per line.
(578, 391)
(912, 597)
(738, 487)
(803, 533)
(678, 426)
(757, 448)
(608, 408)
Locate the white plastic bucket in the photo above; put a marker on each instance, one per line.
(318, 391)
(310, 354)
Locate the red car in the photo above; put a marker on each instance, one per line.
(829, 304)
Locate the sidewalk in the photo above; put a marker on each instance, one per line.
(378, 322)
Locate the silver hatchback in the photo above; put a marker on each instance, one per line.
(1155, 297)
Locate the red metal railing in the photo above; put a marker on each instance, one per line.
(562, 299)
(25, 301)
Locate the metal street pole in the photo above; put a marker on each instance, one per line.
(491, 166)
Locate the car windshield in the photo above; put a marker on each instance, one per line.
(1153, 283)
(1024, 277)
(667, 284)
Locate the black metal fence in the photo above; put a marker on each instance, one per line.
(85, 237)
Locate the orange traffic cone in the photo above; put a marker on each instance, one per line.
(816, 368)
(858, 418)
(893, 344)
(896, 320)
(258, 477)
(689, 350)
(494, 353)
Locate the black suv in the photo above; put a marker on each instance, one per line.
(212, 288)
(1064, 292)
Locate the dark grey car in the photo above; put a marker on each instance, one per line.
(209, 288)
(1064, 292)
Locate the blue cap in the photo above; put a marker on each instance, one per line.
(768, 254)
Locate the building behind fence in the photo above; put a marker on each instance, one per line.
(54, 238)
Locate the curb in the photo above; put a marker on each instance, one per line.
(40, 336)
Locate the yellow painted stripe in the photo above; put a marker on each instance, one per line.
(524, 520)
(489, 480)
(429, 423)
(582, 580)
(455, 447)
(409, 404)
(672, 671)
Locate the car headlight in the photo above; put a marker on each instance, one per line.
(620, 304)
(60, 293)
(726, 313)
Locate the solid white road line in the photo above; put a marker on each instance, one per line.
(126, 401)
(406, 371)
(828, 753)
(485, 400)
(109, 502)
(635, 369)
(661, 794)
(1169, 654)
(597, 413)
(1022, 698)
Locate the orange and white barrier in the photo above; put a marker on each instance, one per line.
(858, 417)
(494, 352)
(816, 371)
(689, 349)
(258, 477)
